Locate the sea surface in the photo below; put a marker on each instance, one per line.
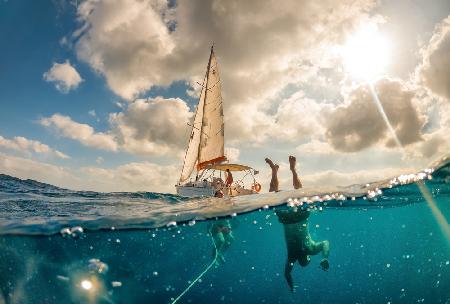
(389, 243)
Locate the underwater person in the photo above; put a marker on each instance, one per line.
(222, 235)
(300, 245)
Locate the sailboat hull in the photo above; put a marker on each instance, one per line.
(195, 191)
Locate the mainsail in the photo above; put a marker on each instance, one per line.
(206, 143)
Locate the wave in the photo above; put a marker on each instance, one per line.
(32, 207)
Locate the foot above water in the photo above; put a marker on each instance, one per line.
(271, 164)
(292, 162)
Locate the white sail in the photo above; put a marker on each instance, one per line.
(206, 144)
(192, 151)
(212, 136)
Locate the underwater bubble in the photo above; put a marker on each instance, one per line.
(117, 240)
(76, 231)
(388, 265)
(62, 278)
(171, 224)
(65, 232)
(266, 207)
(116, 284)
(191, 223)
(447, 262)
(95, 265)
(155, 273)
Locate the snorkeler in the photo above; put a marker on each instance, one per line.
(300, 246)
(223, 237)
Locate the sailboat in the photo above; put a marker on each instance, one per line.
(205, 151)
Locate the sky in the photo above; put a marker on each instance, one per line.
(97, 95)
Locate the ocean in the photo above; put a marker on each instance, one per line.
(388, 244)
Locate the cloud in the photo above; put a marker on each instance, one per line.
(296, 118)
(83, 133)
(149, 127)
(435, 143)
(434, 72)
(232, 154)
(139, 44)
(316, 147)
(155, 126)
(64, 76)
(336, 178)
(27, 168)
(358, 124)
(135, 176)
(28, 146)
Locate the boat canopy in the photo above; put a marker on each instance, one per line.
(231, 167)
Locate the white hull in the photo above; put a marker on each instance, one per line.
(209, 191)
(195, 191)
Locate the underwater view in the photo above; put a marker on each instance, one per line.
(224, 151)
(387, 244)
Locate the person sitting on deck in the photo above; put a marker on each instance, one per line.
(300, 245)
(229, 178)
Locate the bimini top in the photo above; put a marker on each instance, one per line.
(231, 167)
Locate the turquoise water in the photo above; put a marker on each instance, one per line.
(386, 246)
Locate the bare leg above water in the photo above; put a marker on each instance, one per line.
(274, 181)
(295, 180)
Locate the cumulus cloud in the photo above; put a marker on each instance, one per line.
(83, 133)
(138, 44)
(434, 72)
(296, 118)
(64, 76)
(150, 127)
(28, 146)
(154, 126)
(358, 124)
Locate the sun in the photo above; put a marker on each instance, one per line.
(366, 54)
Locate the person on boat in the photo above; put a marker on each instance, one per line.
(300, 245)
(229, 179)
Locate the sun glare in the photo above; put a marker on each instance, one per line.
(366, 54)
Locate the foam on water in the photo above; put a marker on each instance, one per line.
(32, 208)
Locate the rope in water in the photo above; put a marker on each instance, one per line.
(201, 274)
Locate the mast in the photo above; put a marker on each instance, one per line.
(206, 93)
(206, 144)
